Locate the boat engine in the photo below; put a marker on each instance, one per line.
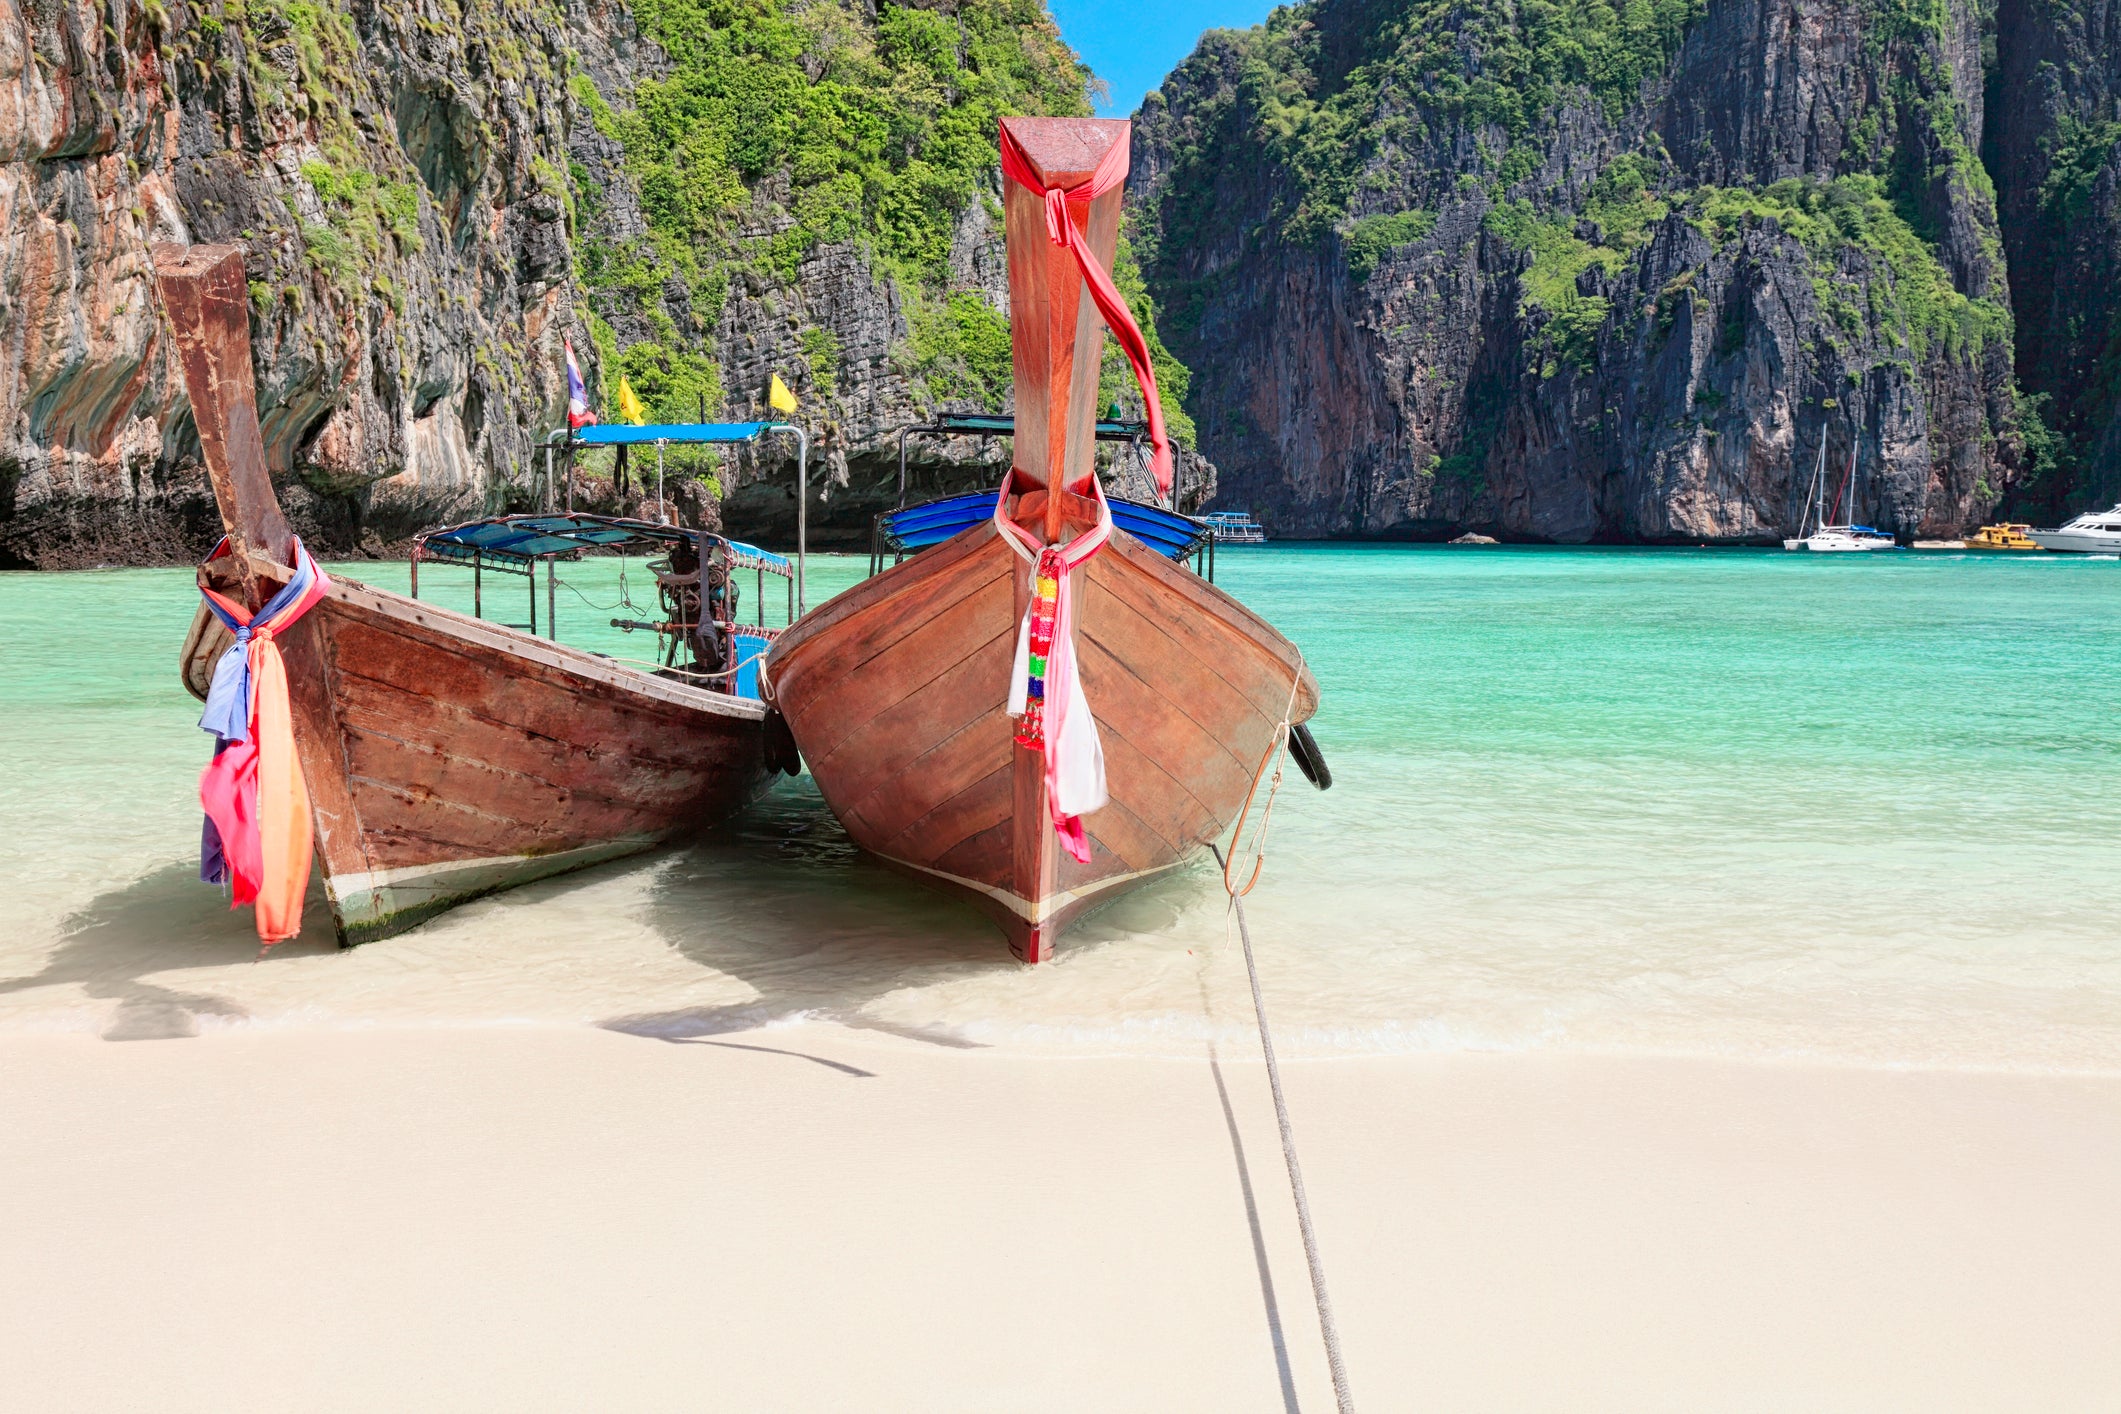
(699, 607)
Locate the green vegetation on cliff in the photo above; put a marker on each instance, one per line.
(781, 128)
(883, 130)
(1323, 120)
(1869, 267)
(1918, 306)
(1621, 208)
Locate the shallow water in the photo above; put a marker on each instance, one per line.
(1731, 803)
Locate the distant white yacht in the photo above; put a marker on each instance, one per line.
(2093, 533)
(1849, 537)
(1835, 538)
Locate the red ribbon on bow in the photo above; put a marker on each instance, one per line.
(1061, 226)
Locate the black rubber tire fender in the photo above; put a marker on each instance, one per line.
(1309, 759)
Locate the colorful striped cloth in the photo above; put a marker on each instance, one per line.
(257, 832)
(1045, 690)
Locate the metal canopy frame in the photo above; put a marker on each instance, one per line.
(622, 434)
(517, 544)
(983, 424)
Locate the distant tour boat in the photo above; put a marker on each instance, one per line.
(2008, 536)
(1833, 539)
(2093, 533)
(1234, 527)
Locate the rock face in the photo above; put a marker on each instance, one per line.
(1586, 278)
(434, 194)
(409, 270)
(2055, 147)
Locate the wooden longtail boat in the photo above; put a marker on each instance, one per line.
(446, 757)
(897, 690)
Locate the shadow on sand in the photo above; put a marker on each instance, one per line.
(782, 900)
(166, 921)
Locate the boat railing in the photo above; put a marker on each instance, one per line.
(518, 544)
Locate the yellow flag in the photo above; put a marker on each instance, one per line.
(629, 405)
(779, 396)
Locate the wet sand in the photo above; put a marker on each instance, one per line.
(808, 1217)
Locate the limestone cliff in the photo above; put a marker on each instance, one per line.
(409, 265)
(2055, 145)
(434, 193)
(1577, 274)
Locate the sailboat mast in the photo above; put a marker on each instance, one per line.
(1855, 487)
(1847, 481)
(1815, 501)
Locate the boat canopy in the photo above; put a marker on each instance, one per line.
(513, 543)
(1234, 527)
(917, 527)
(618, 434)
(623, 434)
(983, 424)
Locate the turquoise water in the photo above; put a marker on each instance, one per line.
(1703, 802)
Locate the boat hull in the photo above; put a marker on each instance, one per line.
(447, 757)
(1829, 544)
(2071, 542)
(896, 693)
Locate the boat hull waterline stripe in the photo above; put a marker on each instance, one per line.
(371, 897)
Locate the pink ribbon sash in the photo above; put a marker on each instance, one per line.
(1061, 227)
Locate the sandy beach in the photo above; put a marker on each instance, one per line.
(809, 1217)
(1602, 1106)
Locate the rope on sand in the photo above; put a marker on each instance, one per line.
(1326, 1328)
(1296, 1176)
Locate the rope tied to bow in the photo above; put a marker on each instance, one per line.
(1276, 755)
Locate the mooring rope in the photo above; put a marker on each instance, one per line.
(625, 594)
(1275, 755)
(1326, 1327)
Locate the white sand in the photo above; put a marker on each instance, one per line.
(572, 1219)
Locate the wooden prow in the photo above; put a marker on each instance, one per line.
(1056, 334)
(207, 298)
(1057, 338)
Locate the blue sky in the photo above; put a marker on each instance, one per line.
(1132, 44)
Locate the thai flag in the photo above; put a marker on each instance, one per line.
(579, 413)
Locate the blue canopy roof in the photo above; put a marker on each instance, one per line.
(917, 527)
(514, 542)
(751, 557)
(625, 434)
